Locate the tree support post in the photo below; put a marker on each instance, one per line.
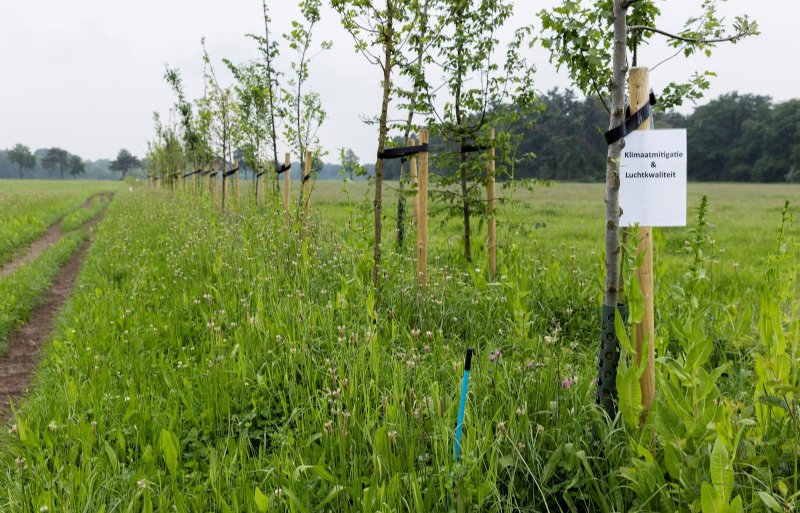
(287, 185)
(422, 213)
(414, 186)
(224, 180)
(236, 180)
(307, 186)
(644, 333)
(490, 208)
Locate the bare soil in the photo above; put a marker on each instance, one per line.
(19, 364)
(50, 237)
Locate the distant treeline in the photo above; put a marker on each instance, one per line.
(734, 138)
(55, 163)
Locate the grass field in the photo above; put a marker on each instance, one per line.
(232, 362)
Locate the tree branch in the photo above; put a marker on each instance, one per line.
(628, 3)
(677, 37)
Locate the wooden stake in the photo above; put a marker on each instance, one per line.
(224, 179)
(236, 179)
(212, 182)
(287, 185)
(307, 185)
(414, 185)
(490, 208)
(422, 214)
(638, 86)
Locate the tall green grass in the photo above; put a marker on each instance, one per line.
(23, 289)
(232, 363)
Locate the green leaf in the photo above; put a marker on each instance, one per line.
(262, 501)
(710, 501)
(699, 352)
(673, 460)
(289, 493)
(770, 502)
(667, 424)
(169, 451)
(630, 396)
(721, 470)
(550, 466)
(620, 331)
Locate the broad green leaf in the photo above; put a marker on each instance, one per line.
(721, 470)
(630, 396)
(170, 451)
(667, 424)
(770, 502)
(620, 330)
(673, 460)
(262, 501)
(710, 502)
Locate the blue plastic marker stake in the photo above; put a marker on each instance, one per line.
(463, 404)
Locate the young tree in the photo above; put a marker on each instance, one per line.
(351, 164)
(477, 87)
(304, 112)
(382, 25)
(56, 158)
(197, 153)
(21, 156)
(124, 162)
(251, 128)
(415, 99)
(165, 155)
(76, 165)
(218, 110)
(592, 39)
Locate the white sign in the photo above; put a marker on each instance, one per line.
(653, 178)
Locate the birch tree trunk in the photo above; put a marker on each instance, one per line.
(388, 57)
(620, 67)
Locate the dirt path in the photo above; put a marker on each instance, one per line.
(51, 236)
(24, 345)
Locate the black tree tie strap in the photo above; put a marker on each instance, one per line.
(259, 175)
(402, 153)
(474, 148)
(283, 168)
(632, 122)
(229, 173)
(306, 178)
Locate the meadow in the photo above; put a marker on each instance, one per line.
(235, 361)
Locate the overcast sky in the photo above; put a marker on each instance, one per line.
(86, 75)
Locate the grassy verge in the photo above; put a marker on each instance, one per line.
(22, 290)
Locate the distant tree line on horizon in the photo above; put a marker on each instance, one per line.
(733, 138)
(57, 163)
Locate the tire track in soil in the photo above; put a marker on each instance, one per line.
(21, 360)
(50, 237)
